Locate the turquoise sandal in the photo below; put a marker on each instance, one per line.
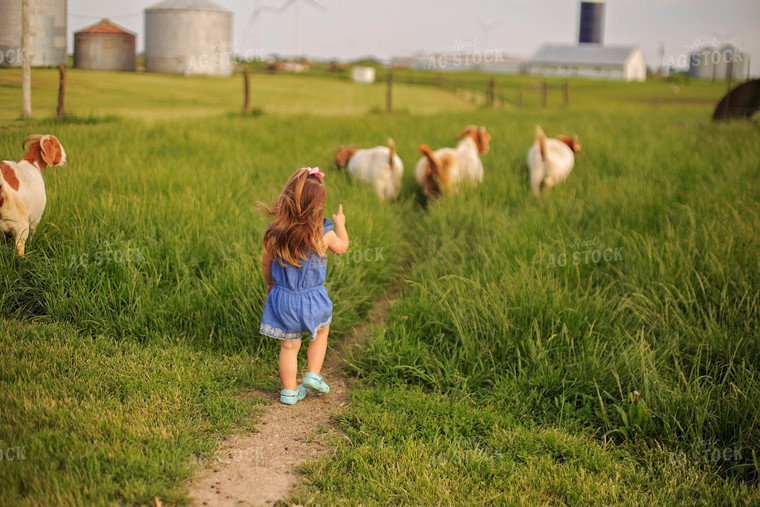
(315, 383)
(289, 397)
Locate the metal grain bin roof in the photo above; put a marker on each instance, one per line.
(105, 26)
(195, 5)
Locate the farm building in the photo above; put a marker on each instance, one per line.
(466, 59)
(713, 63)
(590, 58)
(104, 46)
(594, 61)
(188, 37)
(47, 33)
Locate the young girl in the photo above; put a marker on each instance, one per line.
(295, 266)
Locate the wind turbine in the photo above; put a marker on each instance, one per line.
(254, 20)
(297, 14)
(485, 29)
(724, 38)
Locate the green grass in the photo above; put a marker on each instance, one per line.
(150, 97)
(408, 446)
(100, 419)
(130, 330)
(151, 243)
(657, 351)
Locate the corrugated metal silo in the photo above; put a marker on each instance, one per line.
(716, 63)
(591, 23)
(188, 37)
(47, 32)
(104, 46)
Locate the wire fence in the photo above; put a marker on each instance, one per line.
(485, 90)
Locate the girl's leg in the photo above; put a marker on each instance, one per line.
(289, 363)
(315, 355)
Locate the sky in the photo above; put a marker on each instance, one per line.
(350, 29)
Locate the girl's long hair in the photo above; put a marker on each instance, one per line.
(297, 228)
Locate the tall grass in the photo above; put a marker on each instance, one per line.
(152, 231)
(657, 347)
(129, 330)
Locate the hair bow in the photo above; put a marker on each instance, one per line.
(314, 171)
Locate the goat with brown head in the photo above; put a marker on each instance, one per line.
(444, 170)
(44, 151)
(479, 135)
(22, 189)
(344, 154)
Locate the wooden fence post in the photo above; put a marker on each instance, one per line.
(490, 91)
(729, 72)
(247, 91)
(544, 93)
(748, 62)
(61, 91)
(389, 93)
(566, 87)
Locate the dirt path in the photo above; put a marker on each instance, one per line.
(260, 468)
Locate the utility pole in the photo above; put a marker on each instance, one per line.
(26, 65)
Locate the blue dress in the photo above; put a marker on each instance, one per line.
(298, 302)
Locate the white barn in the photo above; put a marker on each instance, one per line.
(623, 63)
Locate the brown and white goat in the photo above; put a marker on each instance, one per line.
(378, 166)
(443, 171)
(551, 160)
(22, 189)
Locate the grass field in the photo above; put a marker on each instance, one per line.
(129, 333)
(149, 97)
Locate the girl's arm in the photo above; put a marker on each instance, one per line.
(266, 268)
(337, 239)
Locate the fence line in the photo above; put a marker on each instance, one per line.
(487, 87)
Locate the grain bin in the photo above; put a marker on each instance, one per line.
(188, 37)
(104, 46)
(47, 32)
(718, 62)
